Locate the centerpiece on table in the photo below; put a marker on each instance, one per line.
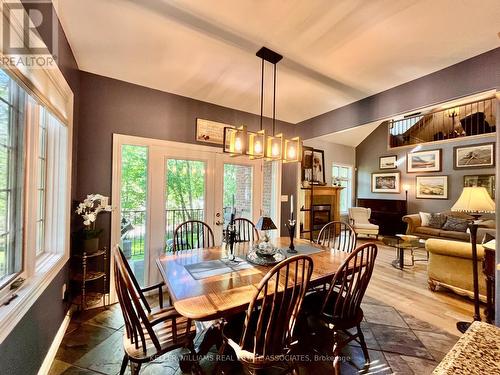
(89, 209)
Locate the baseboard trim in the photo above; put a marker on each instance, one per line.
(51, 354)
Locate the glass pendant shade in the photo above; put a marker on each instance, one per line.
(292, 150)
(274, 147)
(256, 144)
(235, 141)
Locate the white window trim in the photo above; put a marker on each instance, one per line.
(51, 88)
(351, 197)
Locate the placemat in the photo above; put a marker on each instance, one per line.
(303, 250)
(216, 267)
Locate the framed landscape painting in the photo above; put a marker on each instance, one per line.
(481, 180)
(424, 161)
(386, 182)
(388, 162)
(431, 187)
(474, 156)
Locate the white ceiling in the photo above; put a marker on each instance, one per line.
(336, 51)
(350, 137)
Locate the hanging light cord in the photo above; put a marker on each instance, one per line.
(274, 101)
(262, 95)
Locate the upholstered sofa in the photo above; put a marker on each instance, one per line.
(414, 227)
(450, 266)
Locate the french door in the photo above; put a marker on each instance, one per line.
(161, 186)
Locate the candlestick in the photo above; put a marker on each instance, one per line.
(291, 207)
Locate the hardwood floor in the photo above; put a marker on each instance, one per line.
(406, 290)
(408, 330)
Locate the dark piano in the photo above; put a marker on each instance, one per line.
(387, 214)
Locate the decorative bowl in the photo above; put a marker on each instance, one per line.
(265, 249)
(407, 237)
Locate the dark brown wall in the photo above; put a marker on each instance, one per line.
(23, 351)
(470, 76)
(110, 106)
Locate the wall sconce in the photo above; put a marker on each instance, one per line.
(406, 187)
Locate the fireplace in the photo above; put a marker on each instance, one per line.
(321, 215)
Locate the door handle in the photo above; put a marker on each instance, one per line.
(219, 222)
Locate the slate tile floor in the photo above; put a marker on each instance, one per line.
(397, 342)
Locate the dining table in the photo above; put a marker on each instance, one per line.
(204, 285)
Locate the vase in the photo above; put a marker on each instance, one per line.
(91, 245)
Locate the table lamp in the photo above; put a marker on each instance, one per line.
(265, 224)
(474, 201)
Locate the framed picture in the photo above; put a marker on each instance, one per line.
(306, 165)
(387, 162)
(210, 131)
(431, 187)
(424, 161)
(313, 166)
(318, 167)
(482, 180)
(474, 156)
(386, 182)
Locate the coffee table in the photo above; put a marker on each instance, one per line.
(401, 246)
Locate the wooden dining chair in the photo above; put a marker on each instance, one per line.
(341, 306)
(266, 331)
(147, 335)
(246, 230)
(338, 235)
(193, 234)
(140, 291)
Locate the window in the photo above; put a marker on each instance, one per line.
(11, 178)
(41, 181)
(342, 175)
(33, 172)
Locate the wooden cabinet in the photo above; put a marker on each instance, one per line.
(319, 205)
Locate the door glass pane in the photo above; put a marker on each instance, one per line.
(238, 184)
(134, 189)
(185, 194)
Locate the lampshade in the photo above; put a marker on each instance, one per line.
(474, 199)
(292, 150)
(265, 223)
(235, 140)
(256, 144)
(274, 147)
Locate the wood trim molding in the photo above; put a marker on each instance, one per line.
(51, 354)
(28, 294)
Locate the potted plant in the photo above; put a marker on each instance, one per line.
(92, 206)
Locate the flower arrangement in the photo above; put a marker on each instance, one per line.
(92, 206)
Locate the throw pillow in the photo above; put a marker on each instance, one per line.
(487, 224)
(424, 218)
(437, 220)
(455, 224)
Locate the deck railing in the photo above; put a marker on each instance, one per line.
(464, 120)
(133, 240)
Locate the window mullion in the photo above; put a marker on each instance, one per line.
(31, 122)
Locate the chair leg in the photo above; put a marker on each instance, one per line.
(124, 364)
(336, 354)
(222, 348)
(135, 368)
(363, 344)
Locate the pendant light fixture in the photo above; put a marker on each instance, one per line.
(257, 145)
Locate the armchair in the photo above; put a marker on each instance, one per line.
(359, 218)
